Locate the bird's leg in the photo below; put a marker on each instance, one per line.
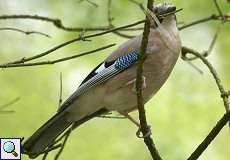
(134, 83)
(138, 133)
(130, 118)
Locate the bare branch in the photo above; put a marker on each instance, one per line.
(90, 2)
(112, 117)
(60, 94)
(195, 67)
(51, 149)
(24, 32)
(109, 15)
(123, 35)
(58, 23)
(24, 59)
(6, 112)
(145, 129)
(210, 137)
(10, 65)
(203, 20)
(213, 42)
(2, 111)
(110, 19)
(63, 144)
(186, 50)
(219, 10)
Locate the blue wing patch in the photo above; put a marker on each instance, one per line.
(110, 70)
(127, 60)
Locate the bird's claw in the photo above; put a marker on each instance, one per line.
(139, 134)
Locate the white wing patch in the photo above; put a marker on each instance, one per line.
(102, 67)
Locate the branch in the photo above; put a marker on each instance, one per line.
(210, 137)
(58, 23)
(142, 117)
(186, 50)
(24, 32)
(10, 65)
(24, 59)
(60, 93)
(219, 10)
(2, 111)
(203, 20)
(110, 20)
(90, 2)
(63, 144)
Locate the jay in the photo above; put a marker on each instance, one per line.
(111, 85)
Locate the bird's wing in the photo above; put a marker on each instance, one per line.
(125, 48)
(102, 73)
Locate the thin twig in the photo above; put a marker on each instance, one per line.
(10, 65)
(7, 112)
(9, 104)
(109, 15)
(63, 144)
(106, 115)
(58, 23)
(123, 35)
(219, 10)
(142, 117)
(112, 117)
(203, 20)
(24, 59)
(205, 53)
(195, 67)
(210, 48)
(213, 42)
(210, 137)
(90, 2)
(24, 32)
(62, 136)
(186, 50)
(47, 151)
(51, 149)
(110, 20)
(45, 156)
(60, 93)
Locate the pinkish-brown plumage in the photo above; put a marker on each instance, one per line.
(116, 93)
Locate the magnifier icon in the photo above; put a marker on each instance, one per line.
(9, 147)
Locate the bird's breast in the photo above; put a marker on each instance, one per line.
(156, 69)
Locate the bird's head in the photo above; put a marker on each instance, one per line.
(165, 11)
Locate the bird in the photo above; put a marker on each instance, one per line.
(111, 85)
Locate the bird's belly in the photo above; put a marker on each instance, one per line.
(121, 100)
(125, 98)
(122, 97)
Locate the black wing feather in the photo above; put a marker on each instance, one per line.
(93, 73)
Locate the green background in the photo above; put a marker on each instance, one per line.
(181, 114)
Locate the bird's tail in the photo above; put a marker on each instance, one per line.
(47, 133)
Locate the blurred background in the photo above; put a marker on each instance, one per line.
(181, 114)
